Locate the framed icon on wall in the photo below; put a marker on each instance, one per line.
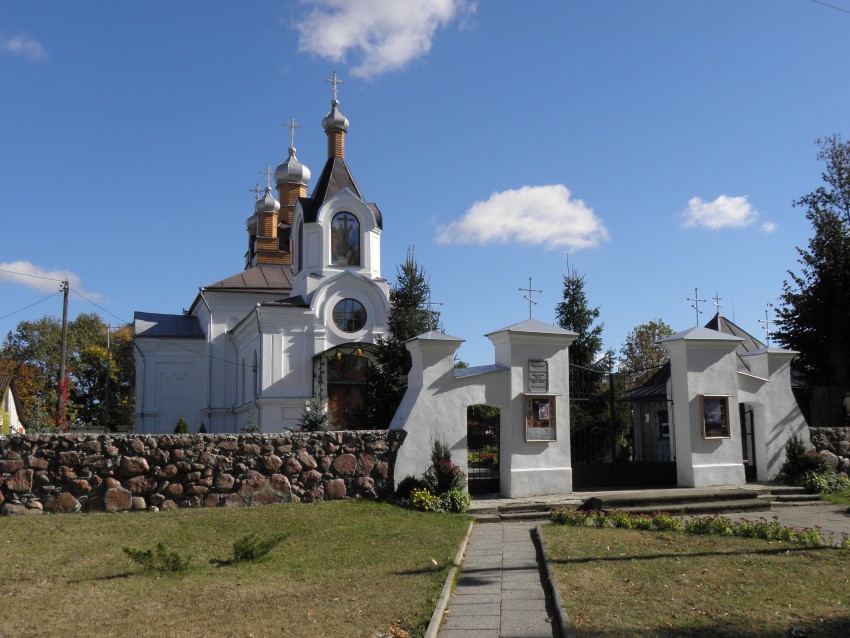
(715, 417)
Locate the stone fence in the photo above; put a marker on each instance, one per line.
(114, 473)
(835, 443)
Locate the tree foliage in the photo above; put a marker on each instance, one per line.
(815, 303)
(574, 313)
(31, 354)
(641, 350)
(386, 379)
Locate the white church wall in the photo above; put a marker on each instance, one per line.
(434, 406)
(529, 468)
(777, 417)
(170, 383)
(703, 363)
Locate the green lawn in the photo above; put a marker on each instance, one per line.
(348, 569)
(617, 582)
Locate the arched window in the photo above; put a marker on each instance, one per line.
(256, 387)
(345, 240)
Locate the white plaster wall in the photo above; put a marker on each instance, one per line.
(705, 367)
(434, 407)
(170, 381)
(777, 416)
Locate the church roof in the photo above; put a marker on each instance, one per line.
(297, 302)
(334, 178)
(534, 326)
(151, 324)
(749, 343)
(257, 278)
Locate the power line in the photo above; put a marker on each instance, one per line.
(31, 305)
(101, 307)
(831, 6)
(26, 274)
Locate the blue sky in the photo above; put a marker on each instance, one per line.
(657, 145)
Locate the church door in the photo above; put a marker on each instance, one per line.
(748, 442)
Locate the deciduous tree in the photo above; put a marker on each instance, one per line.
(641, 350)
(815, 303)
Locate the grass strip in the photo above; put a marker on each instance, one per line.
(618, 582)
(346, 568)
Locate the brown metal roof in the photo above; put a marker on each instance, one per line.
(271, 278)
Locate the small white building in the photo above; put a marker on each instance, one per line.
(11, 412)
(296, 323)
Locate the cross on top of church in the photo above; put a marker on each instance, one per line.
(256, 190)
(716, 301)
(334, 81)
(268, 173)
(292, 125)
(766, 322)
(527, 297)
(695, 305)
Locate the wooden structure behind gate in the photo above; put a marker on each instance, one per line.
(606, 423)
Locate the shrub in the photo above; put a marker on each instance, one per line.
(622, 520)
(161, 560)
(663, 522)
(315, 418)
(182, 427)
(698, 526)
(456, 500)
(569, 516)
(406, 486)
(642, 521)
(249, 549)
(424, 500)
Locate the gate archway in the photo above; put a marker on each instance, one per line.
(620, 434)
(482, 441)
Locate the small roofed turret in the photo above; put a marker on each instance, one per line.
(291, 171)
(267, 203)
(335, 124)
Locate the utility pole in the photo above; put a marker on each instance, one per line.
(106, 385)
(61, 385)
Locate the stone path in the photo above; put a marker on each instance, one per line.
(500, 592)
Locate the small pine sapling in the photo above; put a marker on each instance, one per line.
(161, 560)
(250, 549)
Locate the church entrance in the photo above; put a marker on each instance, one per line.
(340, 375)
(482, 442)
(748, 441)
(619, 439)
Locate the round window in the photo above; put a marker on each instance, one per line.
(349, 315)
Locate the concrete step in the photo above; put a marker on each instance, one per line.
(704, 507)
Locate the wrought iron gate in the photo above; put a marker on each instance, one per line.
(618, 437)
(482, 440)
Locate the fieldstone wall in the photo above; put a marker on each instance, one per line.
(834, 443)
(114, 473)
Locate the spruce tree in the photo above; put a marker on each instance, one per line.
(386, 380)
(574, 313)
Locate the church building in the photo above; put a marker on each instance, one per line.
(296, 323)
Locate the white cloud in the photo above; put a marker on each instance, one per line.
(768, 227)
(723, 212)
(23, 46)
(533, 215)
(387, 34)
(33, 276)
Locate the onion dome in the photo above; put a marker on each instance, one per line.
(335, 121)
(267, 203)
(251, 224)
(291, 171)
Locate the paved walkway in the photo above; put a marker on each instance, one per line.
(500, 593)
